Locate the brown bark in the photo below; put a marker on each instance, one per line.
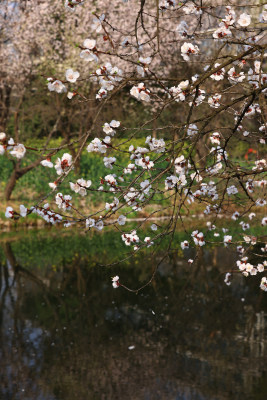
(201, 152)
(9, 254)
(67, 139)
(5, 95)
(17, 174)
(263, 105)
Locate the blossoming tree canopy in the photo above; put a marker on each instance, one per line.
(196, 70)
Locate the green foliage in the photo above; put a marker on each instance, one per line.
(41, 248)
(34, 184)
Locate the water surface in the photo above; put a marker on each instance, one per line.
(67, 334)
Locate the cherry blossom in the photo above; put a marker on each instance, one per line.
(234, 76)
(214, 101)
(97, 23)
(96, 146)
(227, 239)
(219, 75)
(198, 238)
(80, 186)
(232, 190)
(121, 220)
(47, 163)
(18, 151)
(140, 92)
(63, 202)
(185, 244)
(71, 75)
(88, 53)
(244, 20)
(222, 32)
(227, 279)
(90, 222)
(63, 163)
(188, 49)
(9, 212)
(130, 238)
(115, 282)
(56, 86)
(23, 210)
(178, 156)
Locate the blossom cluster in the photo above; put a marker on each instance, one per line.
(184, 166)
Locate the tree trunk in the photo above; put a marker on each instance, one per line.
(5, 95)
(11, 184)
(201, 152)
(17, 174)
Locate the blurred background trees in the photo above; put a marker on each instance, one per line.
(40, 39)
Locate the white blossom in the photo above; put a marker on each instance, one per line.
(232, 190)
(87, 54)
(57, 86)
(111, 180)
(18, 151)
(109, 161)
(263, 284)
(191, 8)
(184, 244)
(215, 138)
(121, 220)
(188, 49)
(63, 163)
(198, 238)
(63, 201)
(97, 23)
(99, 225)
(23, 210)
(71, 75)
(53, 185)
(234, 76)
(222, 32)
(112, 206)
(260, 202)
(47, 163)
(148, 241)
(227, 239)
(192, 130)
(244, 20)
(90, 222)
(80, 186)
(70, 95)
(227, 279)
(145, 186)
(156, 145)
(214, 101)
(235, 215)
(115, 282)
(96, 146)
(9, 212)
(140, 92)
(130, 238)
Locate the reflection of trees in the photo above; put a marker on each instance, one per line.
(19, 354)
(194, 343)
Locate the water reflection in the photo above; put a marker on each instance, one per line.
(67, 334)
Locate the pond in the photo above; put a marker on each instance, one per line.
(67, 334)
